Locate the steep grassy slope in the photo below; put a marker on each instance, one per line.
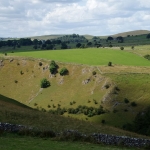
(89, 56)
(20, 79)
(16, 113)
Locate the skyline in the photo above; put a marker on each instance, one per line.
(23, 18)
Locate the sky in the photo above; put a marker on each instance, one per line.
(23, 18)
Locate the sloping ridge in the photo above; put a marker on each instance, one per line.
(12, 101)
(136, 32)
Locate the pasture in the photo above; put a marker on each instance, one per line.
(90, 56)
(16, 143)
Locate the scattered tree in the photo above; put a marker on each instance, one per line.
(122, 48)
(63, 71)
(45, 83)
(109, 63)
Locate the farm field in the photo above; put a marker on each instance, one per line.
(91, 56)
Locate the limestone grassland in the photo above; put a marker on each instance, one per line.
(20, 79)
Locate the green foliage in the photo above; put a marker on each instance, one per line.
(21, 72)
(63, 71)
(35, 47)
(122, 48)
(94, 72)
(45, 83)
(148, 36)
(53, 67)
(40, 64)
(133, 104)
(109, 63)
(141, 123)
(107, 86)
(16, 81)
(132, 47)
(103, 121)
(147, 56)
(78, 45)
(126, 100)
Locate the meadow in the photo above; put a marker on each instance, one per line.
(90, 56)
(11, 142)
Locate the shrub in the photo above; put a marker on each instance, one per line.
(132, 47)
(147, 56)
(63, 71)
(16, 81)
(109, 63)
(126, 100)
(35, 104)
(45, 83)
(40, 64)
(103, 121)
(94, 72)
(53, 67)
(133, 104)
(21, 72)
(107, 86)
(122, 48)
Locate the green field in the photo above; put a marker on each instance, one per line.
(91, 56)
(12, 142)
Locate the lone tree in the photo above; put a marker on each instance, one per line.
(53, 67)
(122, 48)
(109, 63)
(45, 83)
(63, 71)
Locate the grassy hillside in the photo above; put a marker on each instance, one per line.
(17, 143)
(15, 113)
(132, 33)
(70, 91)
(91, 56)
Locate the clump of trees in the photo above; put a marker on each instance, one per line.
(141, 123)
(45, 83)
(147, 56)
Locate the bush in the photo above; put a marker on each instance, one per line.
(16, 81)
(122, 48)
(40, 64)
(133, 104)
(21, 72)
(94, 72)
(63, 71)
(45, 83)
(147, 56)
(126, 100)
(103, 121)
(53, 67)
(109, 63)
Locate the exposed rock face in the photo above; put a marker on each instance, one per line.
(86, 81)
